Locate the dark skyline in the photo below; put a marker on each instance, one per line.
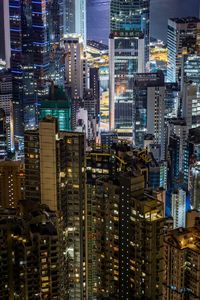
(161, 10)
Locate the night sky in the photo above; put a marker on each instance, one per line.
(161, 10)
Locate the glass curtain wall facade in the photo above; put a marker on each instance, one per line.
(182, 38)
(124, 63)
(131, 15)
(29, 38)
(74, 13)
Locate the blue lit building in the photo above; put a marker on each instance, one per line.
(30, 48)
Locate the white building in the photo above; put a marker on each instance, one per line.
(178, 208)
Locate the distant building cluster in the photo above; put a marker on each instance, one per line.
(99, 155)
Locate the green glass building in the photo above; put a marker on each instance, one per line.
(58, 105)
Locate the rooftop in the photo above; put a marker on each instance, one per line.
(184, 238)
(185, 20)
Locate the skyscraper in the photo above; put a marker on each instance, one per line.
(148, 109)
(75, 65)
(178, 208)
(5, 50)
(30, 48)
(6, 103)
(131, 15)
(183, 38)
(126, 58)
(55, 176)
(129, 52)
(3, 146)
(74, 14)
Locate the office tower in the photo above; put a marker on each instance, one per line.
(30, 48)
(178, 153)
(55, 20)
(16, 60)
(41, 47)
(30, 252)
(75, 65)
(74, 13)
(95, 86)
(157, 174)
(126, 58)
(181, 280)
(129, 16)
(172, 98)
(174, 161)
(183, 38)
(178, 208)
(6, 104)
(194, 144)
(3, 146)
(190, 68)
(55, 176)
(89, 103)
(194, 187)
(11, 183)
(191, 104)
(149, 108)
(57, 105)
(5, 51)
(108, 138)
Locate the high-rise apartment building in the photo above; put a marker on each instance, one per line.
(74, 13)
(121, 217)
(183, 38)
(182, 264)
(75, 65)
(132, 260)
(55, 176)
(30, 264)
(11, 183)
